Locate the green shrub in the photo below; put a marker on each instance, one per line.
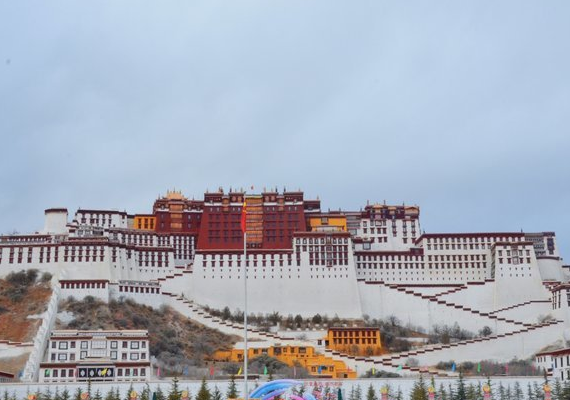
(46, 277)
(23, 278)
(15, 294)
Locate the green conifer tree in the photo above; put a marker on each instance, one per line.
(461, 391)
(370, 394)
(145, 394)
(129, 391)
(557, 390)
(538, 391)
(471, 392)
(110, 395)
(441, 393)
(204, 392)
(480, 391)
(517, 391)
(232, 389)
(77, 394)
(419, 390)
(502, 392)
(350, 394)
(450, 392)
(56, 395)
(47, 395)
(399, 394)
(565, 390)
(358, 393)
(65, 394)
(97, 395)
(217, 394)
(175, 393)
(160, 394)
(529, 392)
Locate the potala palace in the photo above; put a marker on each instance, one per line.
(302, 260)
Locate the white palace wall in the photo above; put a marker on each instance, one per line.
(139, 265)
(146, 293)
(79, 289)
(477, 296)
(7, 267)
(291, 289)
(512, 290)
(530, 313)
(379, 301)
(88, 270)
(430, 290)
(550, 269)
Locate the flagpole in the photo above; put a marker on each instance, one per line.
(245, 353)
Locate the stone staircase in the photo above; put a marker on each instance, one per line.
(174, 282)
(435, 299)
(491, 314)
(180, 270)
(454, 290)
(193, 311)
(397, 359)
(397, 362)
(363, 364)
(526, 303)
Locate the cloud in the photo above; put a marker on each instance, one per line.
(458, 107)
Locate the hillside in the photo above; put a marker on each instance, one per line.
(175, 341)
(22, 295)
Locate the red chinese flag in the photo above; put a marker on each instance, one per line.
(243, 216)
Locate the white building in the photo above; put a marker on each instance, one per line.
(374, 262)
(556, 363)
(114, 356)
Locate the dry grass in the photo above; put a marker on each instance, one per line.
(175, 340)
(14, 365)
(17, 302)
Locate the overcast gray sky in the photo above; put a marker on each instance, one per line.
(461, 107)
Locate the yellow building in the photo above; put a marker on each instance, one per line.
(318, 365)
(354, 341)
(329, 221)
(145, 222)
